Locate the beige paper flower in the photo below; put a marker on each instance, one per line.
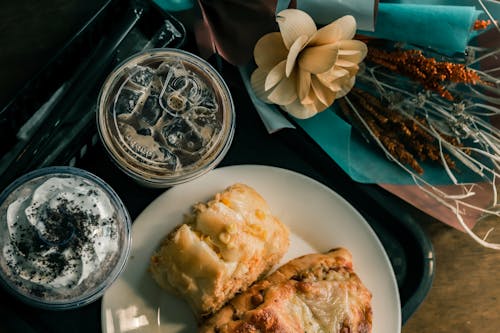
(303, 69)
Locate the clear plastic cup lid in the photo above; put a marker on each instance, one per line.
(165, 116)
(64, 237)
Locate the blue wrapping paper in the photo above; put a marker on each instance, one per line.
(445, 28)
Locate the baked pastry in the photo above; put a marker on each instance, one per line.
(222, 247)
(313, 293)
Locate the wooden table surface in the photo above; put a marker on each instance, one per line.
(466, 290)
(465, 296)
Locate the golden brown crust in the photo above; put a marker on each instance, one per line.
(223, 246)
(313, 293)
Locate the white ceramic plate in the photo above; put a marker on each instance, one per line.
(318, 218)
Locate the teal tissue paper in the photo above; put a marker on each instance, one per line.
(174, 5)
(364, 162)
(444, 28)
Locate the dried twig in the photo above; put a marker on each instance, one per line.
(431, 74)
(404, 137)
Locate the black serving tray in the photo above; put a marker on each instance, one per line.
(118, 30)
(52, 118)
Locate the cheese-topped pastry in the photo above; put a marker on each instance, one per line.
(223, 246)
(316, 293)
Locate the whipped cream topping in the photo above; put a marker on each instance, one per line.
(61, 233)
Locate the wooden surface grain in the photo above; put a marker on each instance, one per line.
(465, 296)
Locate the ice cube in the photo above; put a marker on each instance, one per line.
(144, 146)
(163, 69)
(144, 131)
(142, 76)
(195, 89)
(156, 85)
(126, 101)
(169, 159)
(202, 117)
(182, 135)
(151, 111)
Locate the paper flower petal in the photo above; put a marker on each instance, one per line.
(319, 106)
(294, 23)
(303, 84)
(295, 49)
(275, 75)
(334, 82)
(257, 80)
(323, 93)
(284, 93)
(313, 104)
(299, 111)
(269, 50)
(309, 98)
(352, 50)
(318, 59)
(341, 29)
(345, 63)
(346, 87)
(351, 44)
(333, 74)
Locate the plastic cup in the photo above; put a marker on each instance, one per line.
(64, 236)
(165, 116)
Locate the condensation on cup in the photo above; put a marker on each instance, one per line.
(165, 116)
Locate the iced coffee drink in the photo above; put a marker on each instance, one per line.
(165, 116)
